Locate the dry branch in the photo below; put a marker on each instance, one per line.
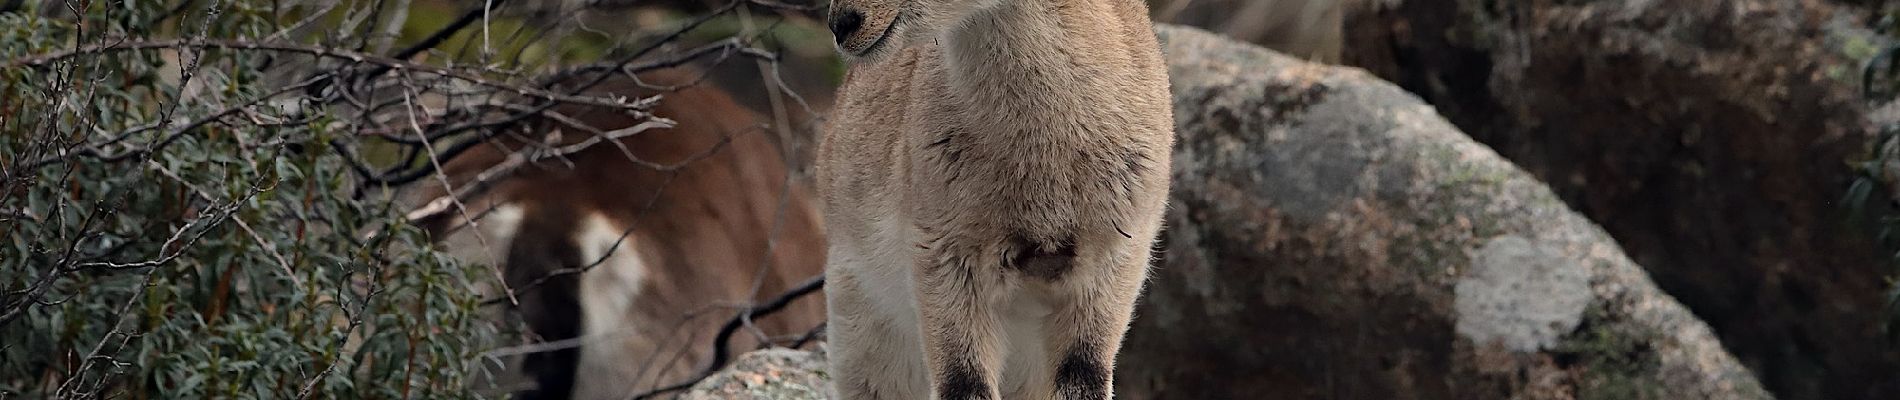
(394, 65)
(721, 352)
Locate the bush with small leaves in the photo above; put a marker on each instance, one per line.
(174, 222)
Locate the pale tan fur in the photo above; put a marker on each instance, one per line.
(970, 150)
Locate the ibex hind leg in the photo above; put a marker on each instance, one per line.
(873, 357)
(956, 290)
(1093, 308)
(552, 310)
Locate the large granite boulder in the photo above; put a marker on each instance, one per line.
(1714, 139)
(1331, 236)
(770, 374)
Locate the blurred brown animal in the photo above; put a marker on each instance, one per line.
(696, 243)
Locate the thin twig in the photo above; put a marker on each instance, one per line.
(721, 353)
(357, 57)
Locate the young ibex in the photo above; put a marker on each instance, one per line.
(993, 183)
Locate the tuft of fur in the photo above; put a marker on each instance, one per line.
(993, 181)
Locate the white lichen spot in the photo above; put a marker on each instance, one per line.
(1521, 295)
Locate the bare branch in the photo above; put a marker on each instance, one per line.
(721, 354)
(356, 57)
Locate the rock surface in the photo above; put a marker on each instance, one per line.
(1331, 236)
(1712, 138)
(1305, 29)
(770, 374)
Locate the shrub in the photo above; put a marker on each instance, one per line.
(173, 222)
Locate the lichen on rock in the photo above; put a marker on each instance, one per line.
(770, 374)
(1521, 295)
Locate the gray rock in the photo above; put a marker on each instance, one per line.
(1331, 236)
(1713, 139)
(770, 374)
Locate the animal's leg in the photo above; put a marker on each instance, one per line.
(956, 294)
(1093, 306)
(874, 356)
(550, 303)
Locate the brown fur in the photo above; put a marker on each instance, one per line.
(696, 251)
(993, 182)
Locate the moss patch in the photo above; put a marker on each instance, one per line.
(1609, 361)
